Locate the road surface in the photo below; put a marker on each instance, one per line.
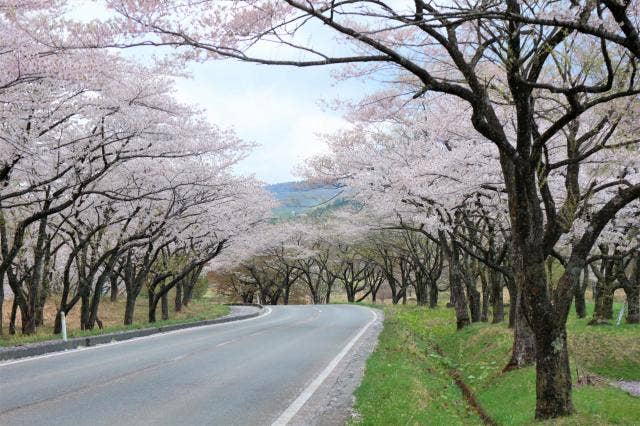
(243, 373)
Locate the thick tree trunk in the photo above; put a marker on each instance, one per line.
(553, 377)
(457, 296)
(523, 351)
(130, 305)
(422, 290)
(603, 310)
(28, 323)
(459, 301)
(351, 297)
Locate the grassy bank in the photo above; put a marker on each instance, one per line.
(112, 314)
(408, 378)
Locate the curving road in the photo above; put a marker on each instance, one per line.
(250, 372)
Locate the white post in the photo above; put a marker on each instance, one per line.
(64, 326)
(621, 313)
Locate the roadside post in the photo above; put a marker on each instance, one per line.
(64, 326)
(621, 313)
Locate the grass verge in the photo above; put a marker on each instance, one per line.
(112, 314)
(408, 382)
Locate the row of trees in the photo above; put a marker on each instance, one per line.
(107, 183)
(311, 260)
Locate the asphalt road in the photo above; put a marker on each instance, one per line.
(243, 373)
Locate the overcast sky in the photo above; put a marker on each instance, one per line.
(278, 108)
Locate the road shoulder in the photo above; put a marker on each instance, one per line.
(332, 403)
(238, 312)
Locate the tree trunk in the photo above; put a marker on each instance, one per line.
(285, 297)
(458, 299)
(177, 306)
(553, 377)
(1, 304)
(433, 295)
(187, 293)
(633, 305)
(603, 310)
(28, 324)
(581, 307)
(129, 308)
(511, 289)
(164, 302)
(474, 299)
(486, 291)
(497, 300)
(350, 293)
(422, 291)
(12, 318)
(113, 280)
(523, 352)
(580, 290)
(84, 311)
(153, 305)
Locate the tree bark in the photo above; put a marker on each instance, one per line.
(12, 318)
(603, 310)
(458, 299)
(633, 302)
(497, 299)
(486, 292)
(523, 351)
(130, 305)
(177, 306)
(553, 378)
(164, 302)
(113, 280)
(433, 295)
(1, 303)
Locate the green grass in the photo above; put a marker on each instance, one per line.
(407, 383)
(112, 315)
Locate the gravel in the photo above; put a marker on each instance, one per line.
(632, 387)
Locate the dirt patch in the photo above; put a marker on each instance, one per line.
(467, 392)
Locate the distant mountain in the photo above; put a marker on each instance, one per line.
(298, 198)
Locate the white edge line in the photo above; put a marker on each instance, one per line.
(135, 339)
(299, 402)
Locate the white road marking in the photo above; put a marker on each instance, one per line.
(135, 339)
(299, 402)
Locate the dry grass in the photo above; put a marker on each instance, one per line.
(112, 315)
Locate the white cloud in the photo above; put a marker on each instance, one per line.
(272, 107)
